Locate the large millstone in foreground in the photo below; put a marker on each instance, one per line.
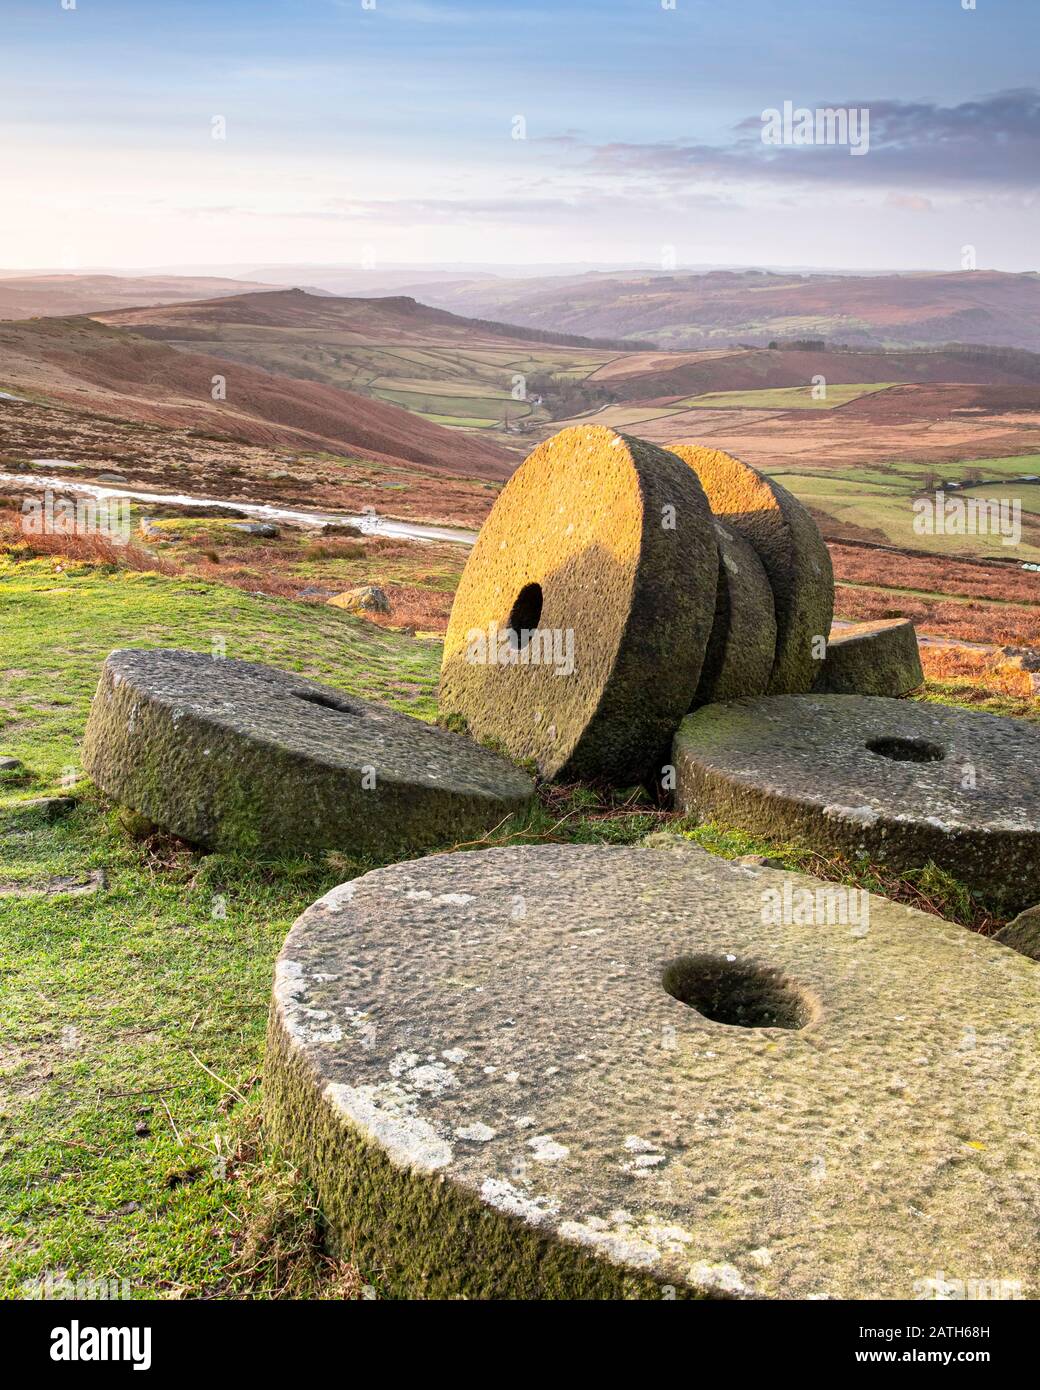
(792, 551)
(585, 1071)
(580, 623)
(233, 755)
(902, 783)
(876, 658)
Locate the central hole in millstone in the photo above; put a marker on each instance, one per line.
(317, 697)
(737, 992)
(526, 611)
(906, 750)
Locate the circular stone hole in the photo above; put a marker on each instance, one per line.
(906, 750)
(314, 697)
(737, 992)
(525, 613)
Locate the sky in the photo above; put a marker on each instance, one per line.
(365, 132)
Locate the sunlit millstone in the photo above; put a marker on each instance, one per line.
(793, 553)
(581, 620)
(900, 782)
(234, 755)
(590, 1072)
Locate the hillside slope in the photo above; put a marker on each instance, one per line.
(109, 371)
(467, 373)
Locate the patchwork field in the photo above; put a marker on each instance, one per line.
(787, 398)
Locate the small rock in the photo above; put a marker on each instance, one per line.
(340, 528)
(11, 766)
(1022, 934)
(256, 528)
(1023, 659)
(142, 1129)
(52, 807)
(367, 599)
(75, 885)
(664, 839)
(138, 827)
(759, 861)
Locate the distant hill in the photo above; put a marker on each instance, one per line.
(727, 308)
(467, 373)
(399, 317)
(33, 296)
(110, 371)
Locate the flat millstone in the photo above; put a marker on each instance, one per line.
(742, 645)
(474, 1059)
(802, 767)
(234, 755)
(608, 542)
(878, 658)
(793, 553)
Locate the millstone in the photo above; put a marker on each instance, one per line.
(742, 644)
(900, 782)
(792, 551)
(587, 1071)
(602, 550)
(233, 755)
(880, 658)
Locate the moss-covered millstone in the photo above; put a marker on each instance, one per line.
(742, 645)
(580, 622)
(792, 551)
(880, 658)
(900, 782)
(589, 1071)
(234, 755)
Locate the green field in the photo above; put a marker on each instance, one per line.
(880, 499)
(786, 397)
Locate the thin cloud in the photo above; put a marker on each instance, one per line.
(993, 142)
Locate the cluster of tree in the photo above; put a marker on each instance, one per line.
(563, 396)
(799, 344)
(1020, 360)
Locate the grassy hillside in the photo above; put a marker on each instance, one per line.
(133, 1017)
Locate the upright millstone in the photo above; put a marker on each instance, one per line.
(877, 658)
(668, 1069)
(233, 755)
(899, 782)
(581, 620)
(793, 554)
(742, 645)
